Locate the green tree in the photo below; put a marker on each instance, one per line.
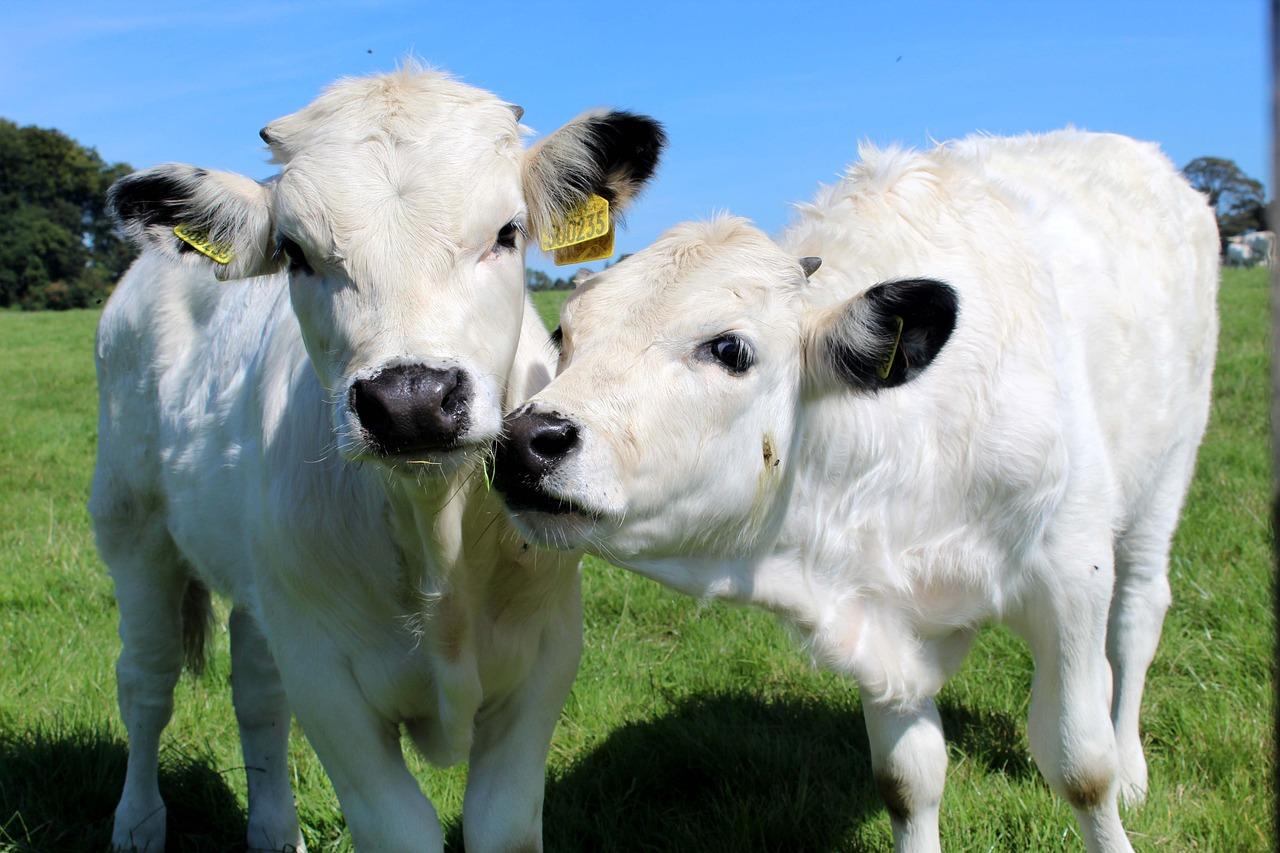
(60, 249)
(1238, 201)
(537, 280)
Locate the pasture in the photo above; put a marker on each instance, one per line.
(691, 726)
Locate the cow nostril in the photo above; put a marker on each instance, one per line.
(554, 440)
(454, 401)
(368, 406)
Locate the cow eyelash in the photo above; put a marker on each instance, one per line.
(297, 258)
(730, 351)
(509, 236)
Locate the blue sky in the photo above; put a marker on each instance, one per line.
(761, 101)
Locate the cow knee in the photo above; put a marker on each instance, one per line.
(896, 795)
(1086, 781)
(1088, 788)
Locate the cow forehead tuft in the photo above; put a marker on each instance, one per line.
(411, 105)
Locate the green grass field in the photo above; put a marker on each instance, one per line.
(691, 726)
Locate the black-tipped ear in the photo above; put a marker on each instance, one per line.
(159, 196)
(626, 148)
(224, 219)
(890, 334)
(810, 265)
(609, 154)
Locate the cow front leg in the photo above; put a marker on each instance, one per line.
(909, 760)
(151, 582)
(1064, 619)
(359, 748)
(502, 808)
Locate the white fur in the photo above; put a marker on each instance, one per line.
(374, 594)
(1039, 461)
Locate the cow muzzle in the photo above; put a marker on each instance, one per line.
(412, 409)
(533, 446)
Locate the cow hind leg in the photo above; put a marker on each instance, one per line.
(262, 713)
(155, 593)
(1137, 616)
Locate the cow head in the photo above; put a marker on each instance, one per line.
(401, 212)
(685, 372)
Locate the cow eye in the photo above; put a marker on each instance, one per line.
(508, 236)
(297, 259)
(731, 352)
(557, 337)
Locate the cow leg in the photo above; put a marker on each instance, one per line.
(263, 715)
(1064, 619)
(150, 581)
(908, 752)
(502, 808)
(1137, 615)
(909, 760)
(358, 747)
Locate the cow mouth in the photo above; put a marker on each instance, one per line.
(524, 494)
(440, 458)
(523, 498)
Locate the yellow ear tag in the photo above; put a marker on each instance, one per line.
(585, 234)
(592, 250)
(200, 242)
(884, 369)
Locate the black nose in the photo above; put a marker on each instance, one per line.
(533, 444)
(412, 407)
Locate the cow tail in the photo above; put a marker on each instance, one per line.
(197, 625)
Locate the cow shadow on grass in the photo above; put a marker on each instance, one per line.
(736, 772)
(719, 772)
(716, 772)
(59, 787)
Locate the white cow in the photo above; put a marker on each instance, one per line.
(985, 406)
(307, 443)
(1263, 246)
(1239, 253)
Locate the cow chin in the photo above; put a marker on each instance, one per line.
(565, 531)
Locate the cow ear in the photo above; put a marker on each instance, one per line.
(887, 336)
(609, 154)
(217, 219)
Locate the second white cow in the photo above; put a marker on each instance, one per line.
(308, 443)
(966, 385)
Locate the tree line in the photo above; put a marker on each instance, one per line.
(538, 280)
(1238, 201)
(60, 249)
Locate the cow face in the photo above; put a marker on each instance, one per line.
(401, 213)
(684, 376)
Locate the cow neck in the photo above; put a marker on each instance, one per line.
(429, 516)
